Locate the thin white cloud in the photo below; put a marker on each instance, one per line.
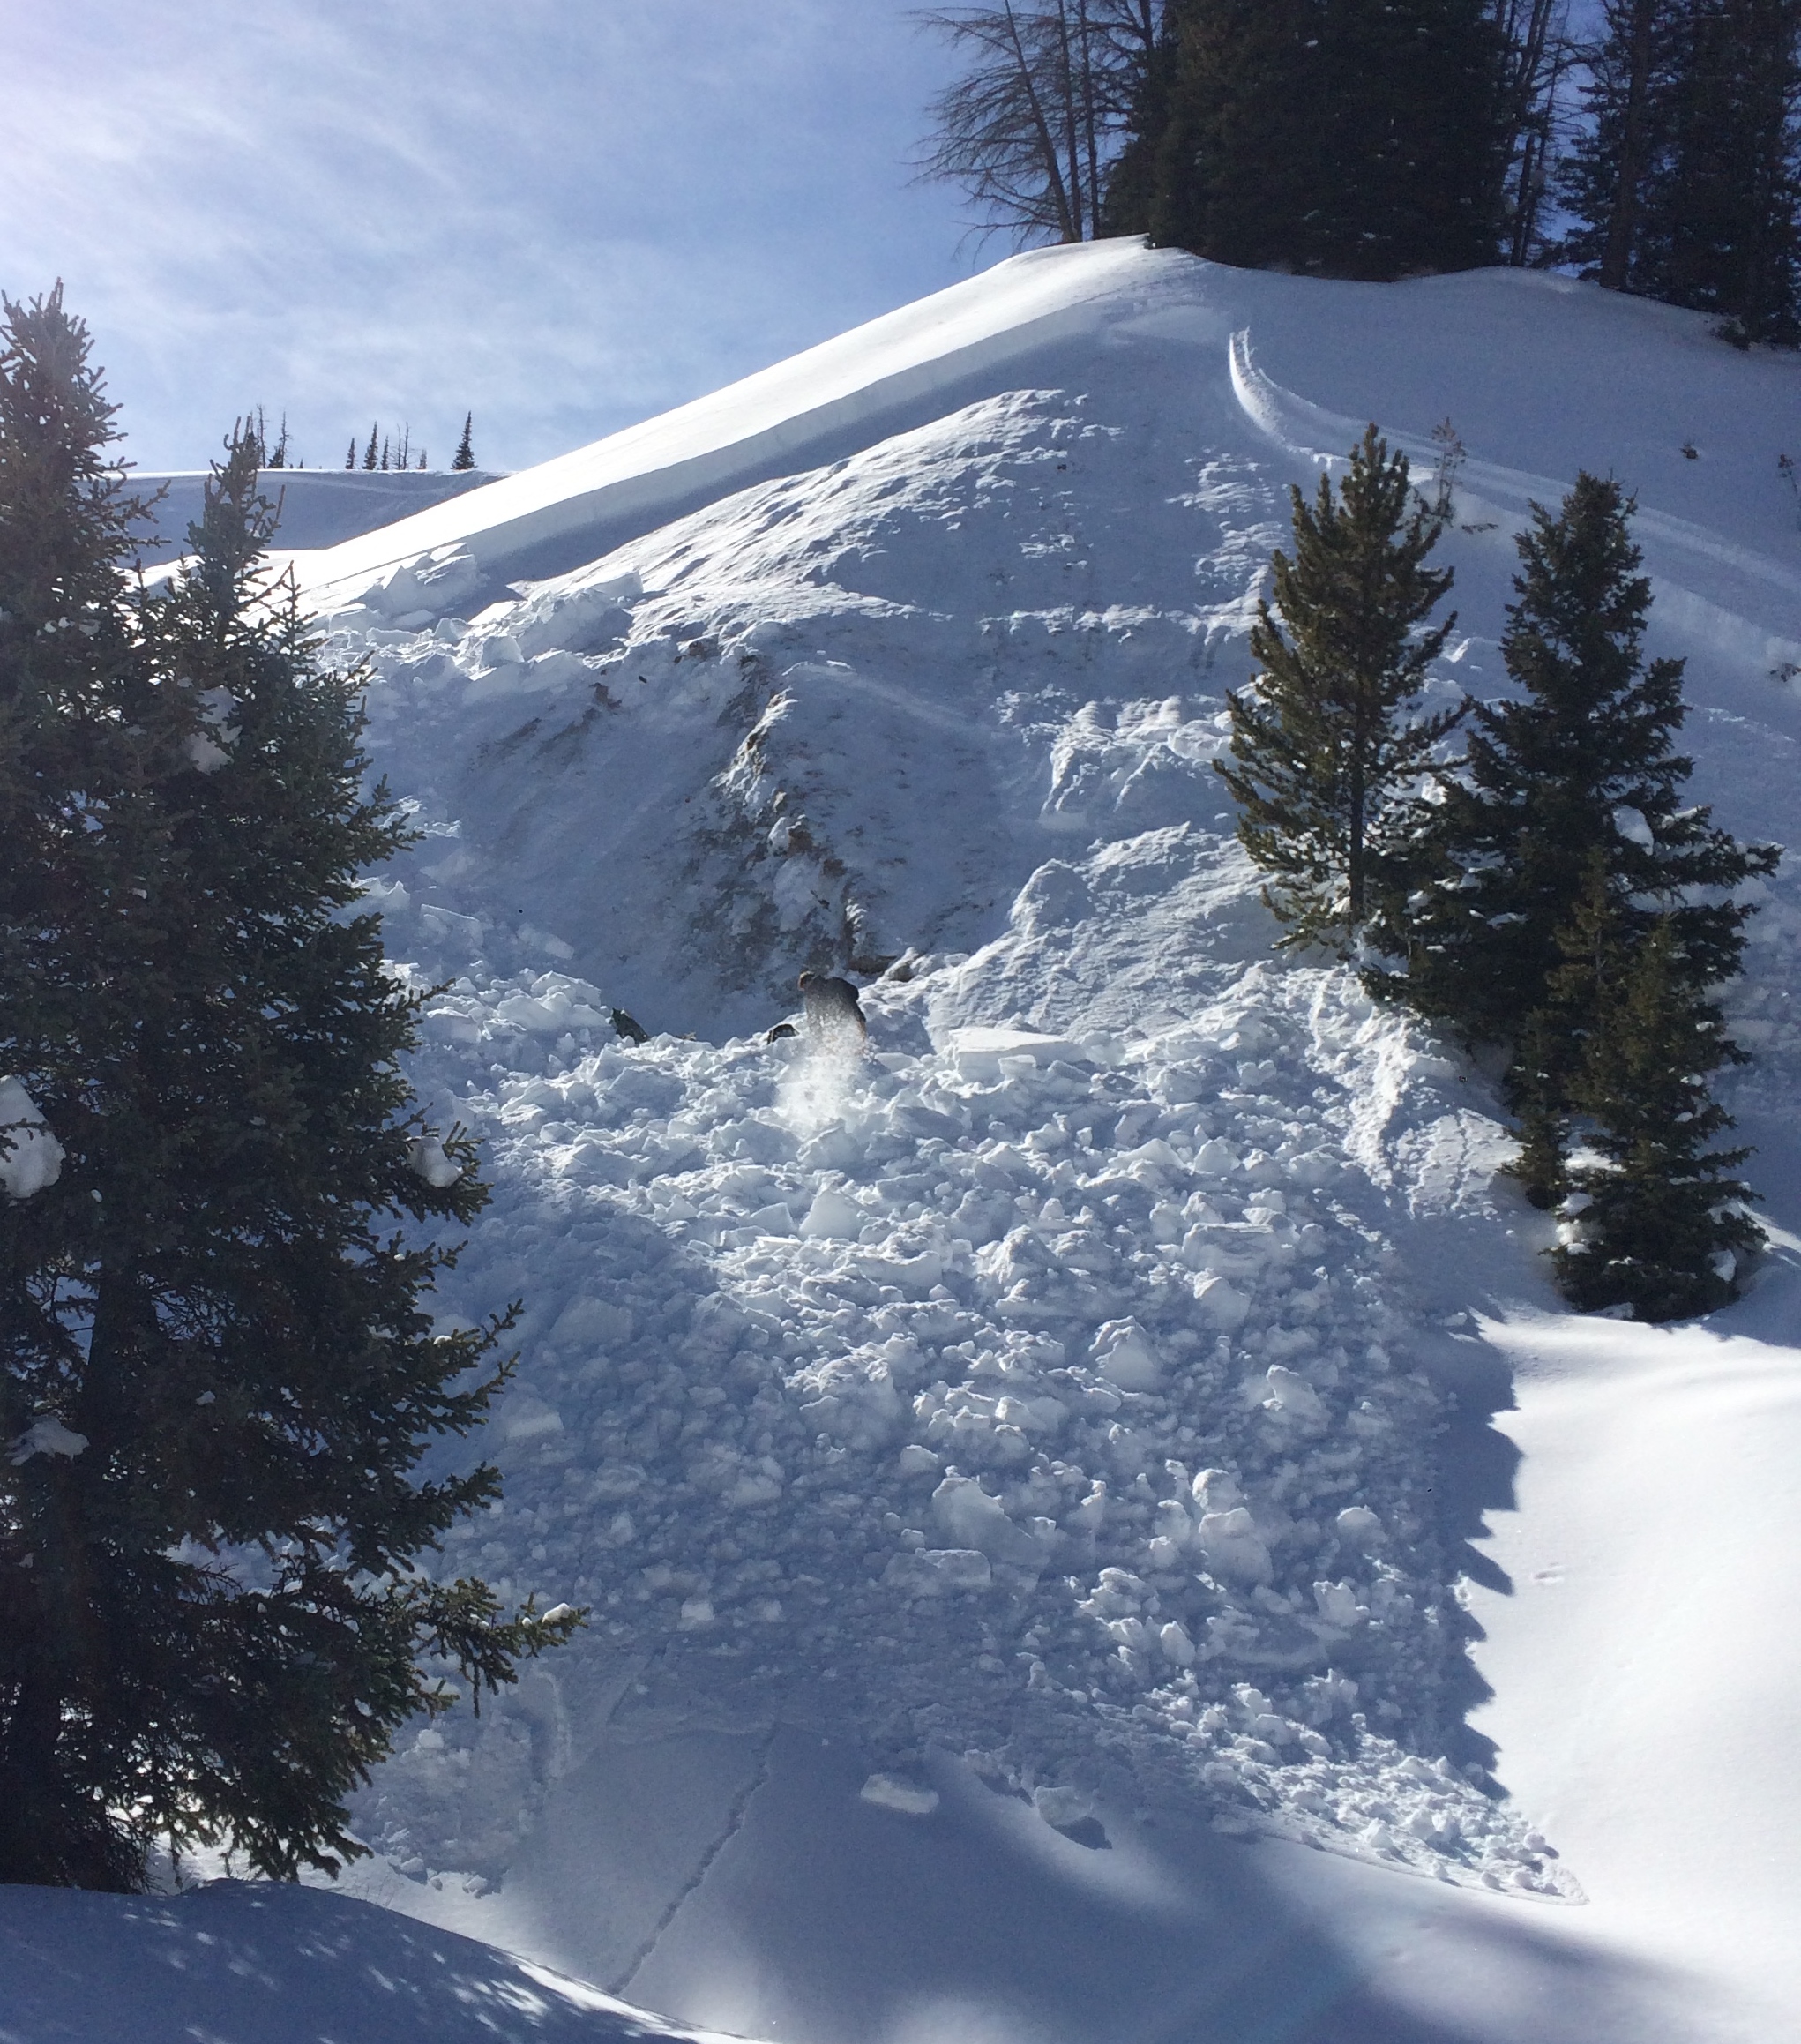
(562, 214)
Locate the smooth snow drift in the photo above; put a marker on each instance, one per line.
(1015, 1468)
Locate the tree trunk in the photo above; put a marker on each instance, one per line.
(1622, 227)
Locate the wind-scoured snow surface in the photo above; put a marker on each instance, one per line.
(1075, 1393)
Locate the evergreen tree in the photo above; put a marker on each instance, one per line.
(1686, 185)
(1326, 768)
(1581, 767)
(1340, 138)
(1723, 205)
(464, 458)
(350, 459)
(220, 1373)
(1661, 1225)
(1130, 187)
(368, 452)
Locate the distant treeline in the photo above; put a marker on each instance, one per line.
(385, 449)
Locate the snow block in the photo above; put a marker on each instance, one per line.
(977, 1053)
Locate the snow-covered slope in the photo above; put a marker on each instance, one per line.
(257, 1965)
(318, 507)
(1023, 1475)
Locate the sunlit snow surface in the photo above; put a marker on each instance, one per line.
(872, 1405)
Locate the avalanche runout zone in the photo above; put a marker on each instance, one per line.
(1037, 1399)
(1060, 1402)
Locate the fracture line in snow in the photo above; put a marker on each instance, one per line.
(733, 1824)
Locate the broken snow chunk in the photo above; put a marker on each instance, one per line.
(915, 1459)
(1234, 1550)
(936, 1571)
(977, 1053)
(696, 1613)
(1176, 1645)
(832, 1216)
(556, 1004)
(1359, 1525)
(1061, 1808)
(1217, 1490)
(1221, 1303)
(501, 650)
(1291, 1395)
(1127, 1356)
(1175, 1533)
(1338, 1605)
(425, 1156)
(1633, 826)
(1216, 1157)
(967, 1514)
(909, 1798)
(1314, 1167)
(30, 1157)
(46, 1436)
(1152, 1163)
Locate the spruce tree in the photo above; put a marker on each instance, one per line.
(1237, 169)
(1722, 232)
(1581, 767)
(1659, 1226)
(1130, 189)
(221, 1370)
(465, 456)
(350, 459)
(1337, 138)
(1684, 185)
(368, 452)
(1326, 766)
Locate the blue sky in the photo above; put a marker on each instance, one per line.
(562, 214)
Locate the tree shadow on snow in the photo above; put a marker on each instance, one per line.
(825, 1919)
(268, 1963)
